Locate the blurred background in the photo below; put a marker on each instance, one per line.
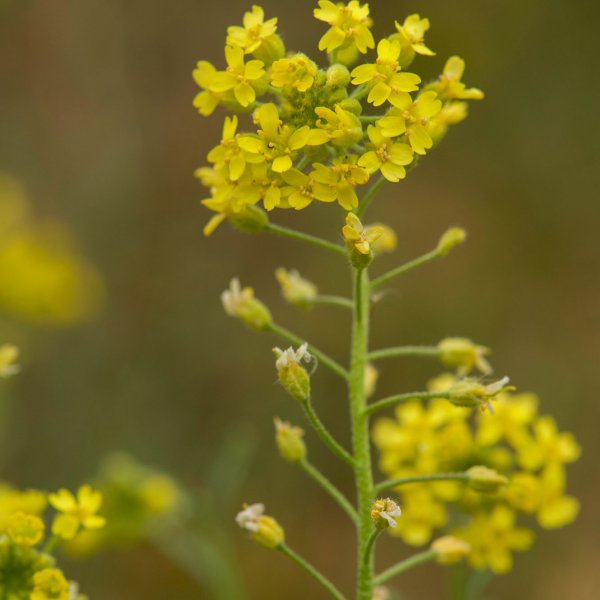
(98, 143)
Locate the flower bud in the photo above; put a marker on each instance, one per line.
(450, 550)
(251, 219)
(292, 375)
(452, 237)
(295, 289)
(464, 355)
(242, 304)
(264, 529)
(384, 512)
(8, 360)
(338, 75)
(289, 441)
(472, 394)
(351, 105)
(485, 480)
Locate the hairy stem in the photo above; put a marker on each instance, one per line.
(393, 400)
(404, 351)
(305, 237)
(343, 502)
(392, 483)
(405, 565)
(413, 264)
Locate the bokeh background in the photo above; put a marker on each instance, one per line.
(96, 123)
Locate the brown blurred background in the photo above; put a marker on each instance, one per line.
(96, 121)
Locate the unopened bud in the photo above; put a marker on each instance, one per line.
(485, 480)
(450, 550)
(251, 219)
(264, 529)
(381, 593)
(292, 375)
(295, 289)
(453, 237)
(384, 513)
(242, 304)
(338, 75)
(359, 240)
(463, 354)
(270, 49)
(289, 441)
(472, 394)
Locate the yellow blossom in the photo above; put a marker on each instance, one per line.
(76, 512)
(264, 529)
(450, 86)
(388, 157)
(343, 127)
(296, 72)
(239, 76)
(24, 529)
(349, 26)
(9, 355)
(386, 82)
(342, 177)
(50, 584)
(412, 119)
(357, 237)
(450, 550)
(206, 101)
(411, 35)
(387, 241)
(302, 189)
(384, 513)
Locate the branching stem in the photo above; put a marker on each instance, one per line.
(404, 351)
(305, 237)
(405, 565)
(397, 399)
(393, 483)
(409, 266)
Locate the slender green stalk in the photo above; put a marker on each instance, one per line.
(370, 118)
(302, 563)
(343, 502)
(325, 435)
(413, 264)
(370, 196)
(360, 431)
(405, 565)
(322, 357)
(305, 237)
(370, 545)
(393, 400)
(360, 92)
(392, 483)
(51, 544)
(335, 300)
(404, 351)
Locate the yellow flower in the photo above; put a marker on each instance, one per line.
(412, 35)
(492, 537)
(295, 289)
(349, 26)
(357, 237)
(264, 529)
(388, 157)
(388, 240)
(342, 177)
(302, 189)
(24, 529)
(296, 72)
(450, 86)
(412, 119)
(76, 512)
(239, 76)
(30, 502)
(383, 76)
(50, 584)
(465, 355)
(257, 36)
(451, 114)
(206, 101)
(342, 126)
(450, 550)
(9, 355)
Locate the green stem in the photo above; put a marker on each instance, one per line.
(360, 92)
(405, 565)
(343, 502)
(323, 358)
(305, 237)
(51, 544)
(370, 196)
(404, 351)
(325, 435)
(392, 483)
(370, 545)
(370, 118)
(393, 400)
(335, 300)
(413, 264)
(287, 551)
(360, 431)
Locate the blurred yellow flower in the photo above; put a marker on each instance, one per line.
(50, 584)
(76, 512)
(24, 529)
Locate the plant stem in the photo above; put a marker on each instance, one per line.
(413, 264)
(405, 565)
(287, 551)
(305, 237)
(323, 358)
(370, 545)
(392, 483)
(343, 502)
(404, 351)
(370, 118)
(336, 300)
(369, 196)
(325, 435)
(393, 400)
(360, 431)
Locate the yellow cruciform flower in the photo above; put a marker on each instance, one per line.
(50, 584)
(205, 101)
(388, 157)
(349, 26)
(239, 76)
(296, 72)
(412, 34)
(302, 189)
(386, 82)
(342, 177)
(342, 126)
(357, 236)
(255, 32)
(76, 512)
(450, 86)
(412, 119)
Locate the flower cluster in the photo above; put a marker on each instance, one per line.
(28, 569)
(313, 133)
(523, 451)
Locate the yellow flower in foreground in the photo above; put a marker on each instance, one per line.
(8, 360)
(450, 86)
(388, 157)
(24, 529)
(254, 33)
(296, 72)
(349, 25)
(76, 512)
(357, 236)
(50, 584)
(412, 34)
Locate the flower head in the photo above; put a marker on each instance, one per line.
(50, 584)
(24, 529)
(358, 239)
(296, 72)
(384, 513)
(76, 512)
(450, 86)
(411, 35)
(264, 529)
